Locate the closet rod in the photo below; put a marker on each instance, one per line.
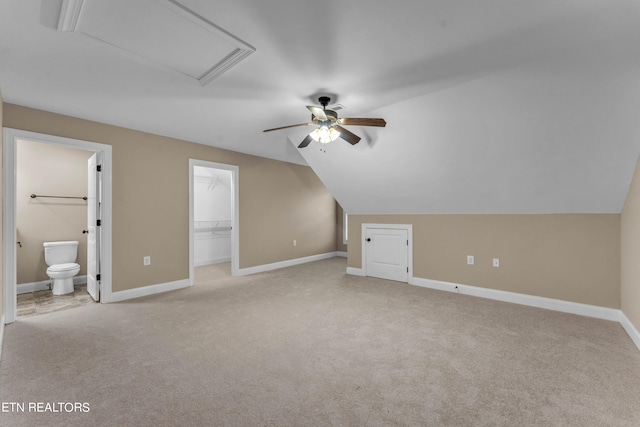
(33, 196)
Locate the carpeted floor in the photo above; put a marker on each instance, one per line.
(312, 346)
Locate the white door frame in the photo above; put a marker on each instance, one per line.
(235, 214)
(9, 169)
(408, 227)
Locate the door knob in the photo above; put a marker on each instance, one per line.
(368, 239)
(85, 231)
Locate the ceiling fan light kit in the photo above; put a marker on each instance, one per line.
(328, 125)
(324, 134)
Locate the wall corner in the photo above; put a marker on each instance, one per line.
(630, 252)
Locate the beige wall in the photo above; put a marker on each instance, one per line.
(279, 201)
(47, 169)
(630, 253)
(567, 257)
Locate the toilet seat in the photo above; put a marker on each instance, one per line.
(63, 267)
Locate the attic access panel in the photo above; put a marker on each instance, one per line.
(163, 33)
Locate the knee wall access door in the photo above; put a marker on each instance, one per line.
(386, 251)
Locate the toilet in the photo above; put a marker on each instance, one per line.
(61, 259)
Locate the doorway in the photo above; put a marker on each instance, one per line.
(387, 251)
(10, 241)
(213, 215)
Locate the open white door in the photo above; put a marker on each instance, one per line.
(93, 226)
(387, 252)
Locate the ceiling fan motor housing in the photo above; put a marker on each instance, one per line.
(324, 101)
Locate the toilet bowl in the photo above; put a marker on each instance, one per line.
(60, 257)
(62, 275)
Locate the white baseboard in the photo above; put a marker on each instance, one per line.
(355, 271)
(529, 300)
(341, 254)
(201, 262)
(148, 290)
(43, 285)
(1, 334)
(283, 264)
(630, 329)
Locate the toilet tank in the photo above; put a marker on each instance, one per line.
(60, 252)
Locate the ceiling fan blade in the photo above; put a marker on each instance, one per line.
(317, 112)
(363, 122)
(350, 137)
(305, 142)
(290, 126)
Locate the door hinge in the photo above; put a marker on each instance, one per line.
(99, 168)
(407, 269)
(407, 242)
(98, 223)
(98, 277)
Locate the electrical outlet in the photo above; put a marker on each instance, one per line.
(295, 243)
(470, 260)
(146, 260)
(496, 262)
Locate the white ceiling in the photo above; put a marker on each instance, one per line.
(493, 106)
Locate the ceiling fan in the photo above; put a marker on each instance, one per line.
(329, 126)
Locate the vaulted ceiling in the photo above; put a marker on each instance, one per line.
(492, 106)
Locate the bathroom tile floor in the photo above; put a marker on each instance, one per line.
(41, 302)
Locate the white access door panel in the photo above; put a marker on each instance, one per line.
(387, 253)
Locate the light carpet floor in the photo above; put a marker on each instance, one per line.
(312, 346)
